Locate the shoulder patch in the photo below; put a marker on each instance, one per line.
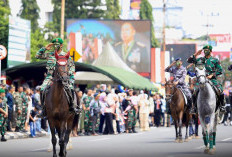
(118, 43)
(140, 44)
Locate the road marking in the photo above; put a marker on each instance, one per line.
(200, 147)
(35, 150)
(227, 139)
(137, 134)
(101, 139)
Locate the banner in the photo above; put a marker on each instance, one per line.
(129, 38)
(19, 41)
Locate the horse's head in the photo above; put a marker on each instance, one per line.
(201, 74)
(62, 67)
(169, 88)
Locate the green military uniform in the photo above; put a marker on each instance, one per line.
(21, 105)
(132, 119)
(213, 67)
(134, 54)
(51, 63)
(87, 119)
(2, 118)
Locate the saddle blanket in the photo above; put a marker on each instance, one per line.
(185, 98)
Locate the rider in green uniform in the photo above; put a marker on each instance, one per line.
(57, 44)
(213, 70)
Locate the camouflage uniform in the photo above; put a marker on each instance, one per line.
(21, 105)
(132, 118)
(2, 119)
(213, 67)
(87, 119)
(51, 63)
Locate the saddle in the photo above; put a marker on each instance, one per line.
(185, 97)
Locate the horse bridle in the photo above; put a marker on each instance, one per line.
(169, 96)
(60, 77)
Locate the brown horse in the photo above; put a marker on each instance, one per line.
(178, 110)
(57, 106)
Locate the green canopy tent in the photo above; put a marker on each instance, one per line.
(35, 71)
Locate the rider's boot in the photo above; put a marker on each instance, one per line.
(193, 110)
(190, 106)
(73, 107)
(222, 103)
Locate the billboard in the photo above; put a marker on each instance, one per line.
(19, 41)
(221, 45)
(183, 51)
(130, 39)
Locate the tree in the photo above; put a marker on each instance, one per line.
(30, 11)
(82, 9)
(4, 26)
(113, 9)
(145, 13)
(227, 74)
(37, 42)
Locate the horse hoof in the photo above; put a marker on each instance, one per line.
(49, 150)
(211, 152)
(206, 151)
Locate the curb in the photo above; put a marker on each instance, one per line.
(22, 135)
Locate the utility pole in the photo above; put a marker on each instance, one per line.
(164, 25)
(62, 18)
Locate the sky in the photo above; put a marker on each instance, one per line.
(196, 14)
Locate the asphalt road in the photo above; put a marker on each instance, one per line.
(154, 143)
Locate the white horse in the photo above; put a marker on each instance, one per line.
(206, 104)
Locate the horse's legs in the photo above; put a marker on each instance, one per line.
(180, 126)
(61, 133)
(215, 129)
(53, 132)
(211, 127)
(176, 130)
(67, 132)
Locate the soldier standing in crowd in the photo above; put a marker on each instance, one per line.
(19, 108)
(3, 114)
(86, 102)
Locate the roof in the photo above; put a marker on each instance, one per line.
(120, 76)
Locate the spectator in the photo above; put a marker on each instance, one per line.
(76, 117)
(163, 109)
(10, 102)
(144, 111)
(29, 106)
(87, 121)
(157, 116)
(103, 104)
(3, 114)
(36, 103)
(32, 120)
(109, 116)
(94, 112)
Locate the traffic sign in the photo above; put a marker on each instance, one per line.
(74, 55)
(3, 52)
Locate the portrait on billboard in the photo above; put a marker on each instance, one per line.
(129, 38)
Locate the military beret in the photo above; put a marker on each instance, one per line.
(178, 59)
(208, 47)
(57, 40)
(2, 90)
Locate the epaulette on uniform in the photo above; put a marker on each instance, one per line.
(118, 43)
(140, 44)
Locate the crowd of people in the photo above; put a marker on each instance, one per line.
(104, 111)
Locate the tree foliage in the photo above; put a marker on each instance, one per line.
(37, 42)
(30, 11)
(4, 26)
(113, 9)
(82, 9)
(145, 13)
(227, 74)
